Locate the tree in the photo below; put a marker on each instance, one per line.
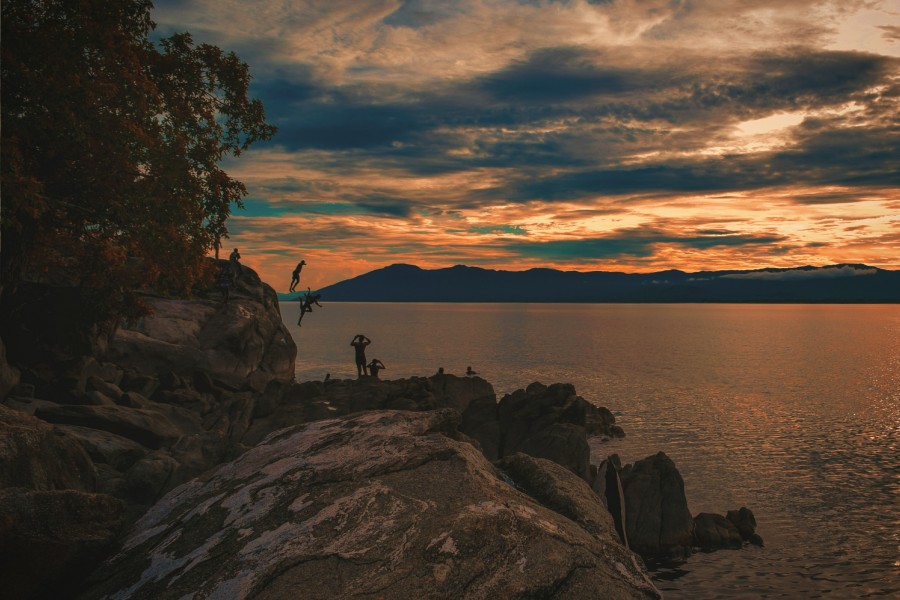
(111, 146)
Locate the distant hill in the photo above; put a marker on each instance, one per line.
(409, 283)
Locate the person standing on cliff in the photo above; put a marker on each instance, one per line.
(235, 260)
(359, 343)
(295, 275)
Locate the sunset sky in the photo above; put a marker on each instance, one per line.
(582, 135)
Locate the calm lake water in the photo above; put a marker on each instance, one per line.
(790, 410)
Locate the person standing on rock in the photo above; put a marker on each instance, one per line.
(375, 366)
(235, 260)
(295, 275)
(470, 372)
(359, 343)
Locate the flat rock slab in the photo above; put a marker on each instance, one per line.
(380, 504)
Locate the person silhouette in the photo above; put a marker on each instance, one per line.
(375, 366)
(235, 261)
(306, 304)
(359, 343)
(470, 372)
(295, 275)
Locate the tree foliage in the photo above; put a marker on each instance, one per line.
(111, 145)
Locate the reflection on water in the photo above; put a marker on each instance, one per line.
(790, 410)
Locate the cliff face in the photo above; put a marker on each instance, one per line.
(241, 340)
(354, 487)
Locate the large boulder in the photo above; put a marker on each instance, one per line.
(658, 521)
(308, 401)
(241, 340)
(715, 532)
(745, 522)
(558, 489)
(546, 421)
(36, 455)
(459, 392)
(607, 485)
(378, 504)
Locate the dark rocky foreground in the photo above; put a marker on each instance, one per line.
(184, 461)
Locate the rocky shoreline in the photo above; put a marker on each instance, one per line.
(184, 461)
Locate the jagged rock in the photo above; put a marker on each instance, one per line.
(608, 486)
(94, 398)
(149, 428)
(658, 521)
(104, 447)
(297, 403)
(564, 444)
(555, 487)
(145, 385)
(149, 477)
(377, 504)
(459, 392)
(110, 390)
(241, 341)
(481, 422)
(133, 400)
(745, 522)
(49, 540)
(36, 455)
(551, 422)
(714, 532)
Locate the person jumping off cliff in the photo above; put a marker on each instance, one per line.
(359, 343)
(375, 366)
(295, 275)
(307, 302)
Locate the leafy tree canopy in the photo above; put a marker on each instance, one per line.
(111, 145)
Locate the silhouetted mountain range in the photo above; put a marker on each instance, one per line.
(409, 283)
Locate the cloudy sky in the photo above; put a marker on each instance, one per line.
(629, 135)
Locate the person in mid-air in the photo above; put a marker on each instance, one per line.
(375, 366)
(307, 302)
(295, 275)
(359, 343)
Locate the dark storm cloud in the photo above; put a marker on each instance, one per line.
(797, 79)
(377, 204)
(637, 242)
(559, 75)
(567, 119)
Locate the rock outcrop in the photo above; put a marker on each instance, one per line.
(379, 504)
(547, 422)
(242, 340)
(715, 532)
(745, 522)
(658, 521)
